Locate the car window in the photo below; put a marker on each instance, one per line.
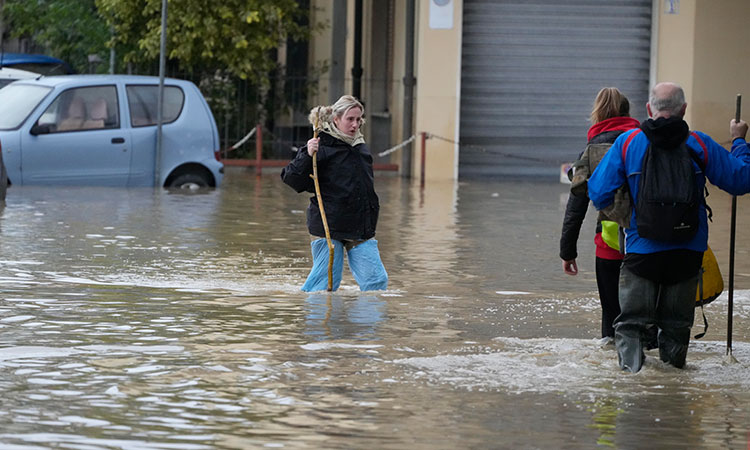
(85, 108)
(143, 101)
(17, 101)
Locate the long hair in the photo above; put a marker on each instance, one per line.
(609, 102)
(338, 109)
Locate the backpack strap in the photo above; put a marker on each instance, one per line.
(627, 143)
(700, 293)
(704, 163)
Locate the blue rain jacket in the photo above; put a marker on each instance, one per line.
(728, 171)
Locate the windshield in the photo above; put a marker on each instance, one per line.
(17, 101)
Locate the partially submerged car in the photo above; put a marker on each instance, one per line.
(102, 130)
(9, 75)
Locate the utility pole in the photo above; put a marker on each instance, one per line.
(2, 24)
(160, 100)
(111, 51)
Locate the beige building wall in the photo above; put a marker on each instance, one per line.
(702, 46)
(675, 47)
(438, 72)
(722, 69)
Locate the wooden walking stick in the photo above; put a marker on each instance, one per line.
(732, 233)
(320, 202)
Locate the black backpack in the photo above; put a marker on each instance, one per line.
(669, 196)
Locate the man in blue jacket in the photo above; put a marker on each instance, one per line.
(658, 280)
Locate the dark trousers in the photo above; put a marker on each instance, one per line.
(607, 280)
(644, 304)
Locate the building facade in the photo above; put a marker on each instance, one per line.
(505, 87)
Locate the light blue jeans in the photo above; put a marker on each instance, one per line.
(364, 262)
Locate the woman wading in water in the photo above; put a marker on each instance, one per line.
(349, 200)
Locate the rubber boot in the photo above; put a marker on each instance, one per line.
(637, 313)
(629, 351)
(676, 312)
(366, 266)
(317, 280)
(673, 346)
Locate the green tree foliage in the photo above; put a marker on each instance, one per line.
(70, 29)
(236, 36)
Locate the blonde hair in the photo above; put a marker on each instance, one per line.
(609, 103)
(338, 109)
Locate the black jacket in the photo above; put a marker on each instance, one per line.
(575, 211)
(346, 185)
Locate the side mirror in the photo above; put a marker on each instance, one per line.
(38, 129)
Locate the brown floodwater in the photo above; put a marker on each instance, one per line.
(142, 319)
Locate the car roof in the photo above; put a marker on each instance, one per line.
(17, 74)
(12, 59)
(84, 80)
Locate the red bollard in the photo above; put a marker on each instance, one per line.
(424, 153)
(258, 150)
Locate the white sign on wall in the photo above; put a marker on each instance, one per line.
(671, 6)
(441, 14)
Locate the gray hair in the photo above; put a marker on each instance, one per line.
(667, 100)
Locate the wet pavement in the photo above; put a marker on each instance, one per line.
(141, 319)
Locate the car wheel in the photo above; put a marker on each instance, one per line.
(190, 181)
(3, 181)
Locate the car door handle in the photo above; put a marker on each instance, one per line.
(118, 140)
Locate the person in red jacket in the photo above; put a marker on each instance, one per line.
(610, 117)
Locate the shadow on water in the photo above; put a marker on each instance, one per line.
(141, 319)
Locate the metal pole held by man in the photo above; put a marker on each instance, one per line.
(732, 235)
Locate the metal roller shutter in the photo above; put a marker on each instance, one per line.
(530, 72)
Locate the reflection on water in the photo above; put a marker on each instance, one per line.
(332, 316)
(134, 319)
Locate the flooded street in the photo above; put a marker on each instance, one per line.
(142, 319)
